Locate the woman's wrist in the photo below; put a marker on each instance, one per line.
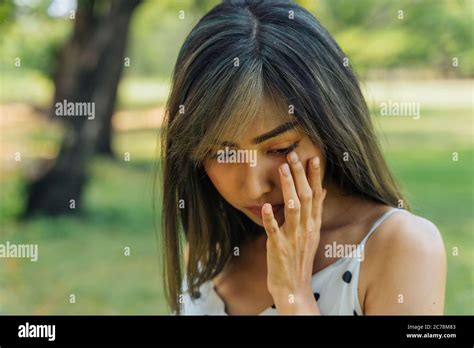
(301, 302)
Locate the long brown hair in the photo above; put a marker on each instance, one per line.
(238, 54)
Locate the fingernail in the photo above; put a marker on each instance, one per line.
(285, 169)
(293, 157)
(316, 162)
(267, 209)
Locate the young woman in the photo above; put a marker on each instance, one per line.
(274, 179)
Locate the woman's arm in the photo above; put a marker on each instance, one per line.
(406, 268)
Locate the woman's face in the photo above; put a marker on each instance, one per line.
(247, 186)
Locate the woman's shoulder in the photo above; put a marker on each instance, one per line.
(406, 260)
(405, 233)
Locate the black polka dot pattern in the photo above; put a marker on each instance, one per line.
(316, 295)
(196, 295)
(347, 276)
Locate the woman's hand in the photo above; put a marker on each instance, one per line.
(291, 248)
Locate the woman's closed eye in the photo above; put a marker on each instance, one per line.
(278, 152)
(284, 151)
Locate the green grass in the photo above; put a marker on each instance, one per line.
(84, 255)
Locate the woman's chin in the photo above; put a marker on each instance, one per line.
(255, 219)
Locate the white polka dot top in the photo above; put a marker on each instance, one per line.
(334, 287)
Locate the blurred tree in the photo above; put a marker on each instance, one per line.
(89, 70)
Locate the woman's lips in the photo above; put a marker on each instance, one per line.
(257, 211)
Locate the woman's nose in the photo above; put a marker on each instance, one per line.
(256, 181)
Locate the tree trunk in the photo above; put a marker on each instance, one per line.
(89, 70)
(104, 141)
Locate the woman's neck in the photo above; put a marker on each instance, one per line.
(341, 209)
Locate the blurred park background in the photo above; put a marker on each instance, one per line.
(102, 246)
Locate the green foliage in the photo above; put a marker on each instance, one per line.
(425, 34)
(6, 13)
(430, 34)
(157, 32)
(36, 41)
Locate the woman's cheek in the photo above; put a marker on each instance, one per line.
(221, 177)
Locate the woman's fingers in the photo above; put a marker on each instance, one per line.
(269, 222)
(292, 202)
(315, 181)
(302, 186)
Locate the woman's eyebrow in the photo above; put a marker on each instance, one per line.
(285, 127)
